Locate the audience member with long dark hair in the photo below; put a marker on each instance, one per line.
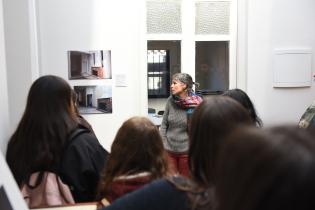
(137, 158)
(49, 138)
(243, 98)
(212, 120)
(270, 169)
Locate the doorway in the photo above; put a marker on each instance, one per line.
(163, 60)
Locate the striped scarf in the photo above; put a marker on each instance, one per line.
(190, 102)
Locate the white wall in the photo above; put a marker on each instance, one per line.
(94, 25)
(278, 24)
(18, 56)
(4, 113)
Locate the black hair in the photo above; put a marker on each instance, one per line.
(241, 97)
(49, 117)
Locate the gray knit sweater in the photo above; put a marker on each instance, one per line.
(174, 128)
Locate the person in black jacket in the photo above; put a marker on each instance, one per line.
(49, 137)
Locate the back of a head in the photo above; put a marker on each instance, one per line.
(47, 120)
(241, 97)
(137, 144)
(270, 169)
(136, 148)
(212, 120)
(49, 96)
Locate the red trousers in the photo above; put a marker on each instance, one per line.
(178, 163)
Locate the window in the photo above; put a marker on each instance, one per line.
(163, 60)
(212, 65)
(158, 73)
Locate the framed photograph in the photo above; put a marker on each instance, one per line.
(89, 64)
(94, 99)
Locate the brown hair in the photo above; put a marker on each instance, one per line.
(49, 117)
(137, 148)
(212, 120)
(267, 169)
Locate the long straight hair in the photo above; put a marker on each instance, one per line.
(38, 142)
(212, 120)
(137, 148)
(241, 97)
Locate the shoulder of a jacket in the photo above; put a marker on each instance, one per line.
(84, 138)
(161, 183)
(171, 101)
(170, 98)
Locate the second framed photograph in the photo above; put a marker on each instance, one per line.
(94, 99)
